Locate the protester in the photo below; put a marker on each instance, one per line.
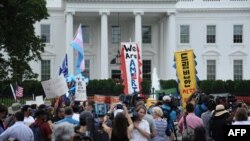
(63, 132)
(201, 104)
(28, 119)
(10, 120)
(141, 131)
(207, 116)
(161, 125)
(41, 122)
(90, 106)
(241, 117)
(218, 121)
(169, 113)
(149, 118)
(68, 117)
(100, 134)
(189, 121)
(18, 131)
(200, 134)
(120, 130)
(86, 127)
(3, 113)
(76, 114)
(60, 113)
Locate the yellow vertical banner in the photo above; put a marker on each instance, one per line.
(185, 68)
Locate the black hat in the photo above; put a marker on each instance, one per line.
(85, 115)
(40, 113)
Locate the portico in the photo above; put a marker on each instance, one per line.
(100, 48)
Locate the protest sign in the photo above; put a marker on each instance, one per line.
(131, 68)
(55, 87)
(80, 94)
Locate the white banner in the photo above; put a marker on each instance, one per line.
(130, 67)
(55, 87)
(39, 100)
(80, 94)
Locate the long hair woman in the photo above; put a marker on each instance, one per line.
(122, 122)
(141, 131)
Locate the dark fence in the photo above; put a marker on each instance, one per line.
(8, 100)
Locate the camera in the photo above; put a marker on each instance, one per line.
(119, 106)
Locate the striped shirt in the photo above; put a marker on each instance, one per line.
(18, 131)
(161, 126)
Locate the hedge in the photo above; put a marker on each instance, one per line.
(111, 87)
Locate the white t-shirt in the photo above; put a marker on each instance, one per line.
(28, 120)
(76, 116)
(136, 135)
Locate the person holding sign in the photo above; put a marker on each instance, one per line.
(120, 124)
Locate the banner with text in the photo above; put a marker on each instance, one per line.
(131, 67)
(185, 67)
(80, 94)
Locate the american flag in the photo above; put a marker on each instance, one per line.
(19, 91)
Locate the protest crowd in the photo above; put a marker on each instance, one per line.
(202, 120)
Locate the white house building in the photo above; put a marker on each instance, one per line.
(217, 30)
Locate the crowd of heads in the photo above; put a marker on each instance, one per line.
(88, 118)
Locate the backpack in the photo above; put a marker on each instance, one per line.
(188, 132)
(36, 129)
(166, 114)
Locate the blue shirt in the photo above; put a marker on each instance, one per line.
(199, 109)
(68, 119)
(172, 115)
(18, 131)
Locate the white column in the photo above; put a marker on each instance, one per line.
(138, 32)
(161, 58)
(104, 45)
(69, 38)
(171, 46)
(138, 29)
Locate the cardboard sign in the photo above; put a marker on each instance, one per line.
(39, 100)
(55, 87)
(80, 94)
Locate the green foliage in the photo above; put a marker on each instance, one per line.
(33, 87)
(240, 86)
(229, 86)
(218, 86)
(104, 87)
(146, 87)
(206, 86)
(118, 89)
(109, 87)
(167, 84)
(17, 37)
(92, 87)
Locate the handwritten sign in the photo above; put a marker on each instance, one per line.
(80, 94)
(55, 87)
(131, 67)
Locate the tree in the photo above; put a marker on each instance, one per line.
(18, 43)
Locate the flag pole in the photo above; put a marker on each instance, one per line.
(14, 95)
